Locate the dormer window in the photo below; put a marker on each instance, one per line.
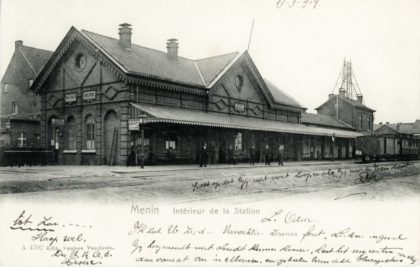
(30, 82)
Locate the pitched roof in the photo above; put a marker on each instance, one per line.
(352, 102)
(355, 103)
(156, 64)
(212, 66)
(403, 128)
(324, 120)
(280, 96)
(35, 57)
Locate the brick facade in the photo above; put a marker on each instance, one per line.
(355, 114)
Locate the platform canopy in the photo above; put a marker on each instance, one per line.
(164, 114)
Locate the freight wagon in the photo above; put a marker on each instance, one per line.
(381, 148)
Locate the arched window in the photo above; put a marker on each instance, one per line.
(90, 132)
(71, 134)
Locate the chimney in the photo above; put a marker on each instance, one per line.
(380, 123)
(342, 92)
(125, 35)
(18, 43)
(331, 96)
(360, 99)
(172, 46)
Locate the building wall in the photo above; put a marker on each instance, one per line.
(246, 99)
(111, 95)
(16, 79)
(348, 114)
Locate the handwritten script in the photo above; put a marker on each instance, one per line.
(66, 242)
(278, 238)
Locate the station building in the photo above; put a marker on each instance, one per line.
(99, 93)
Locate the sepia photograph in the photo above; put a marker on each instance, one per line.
(209, 133)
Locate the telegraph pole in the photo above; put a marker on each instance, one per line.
(250, 35)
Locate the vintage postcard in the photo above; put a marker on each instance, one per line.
(209, 133)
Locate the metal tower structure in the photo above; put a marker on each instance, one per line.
(346, 82)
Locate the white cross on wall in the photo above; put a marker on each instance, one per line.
(21, 139)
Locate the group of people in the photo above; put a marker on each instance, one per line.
(268, 154)
(204, 156)
(205, 152)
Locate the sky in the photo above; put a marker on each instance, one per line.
(299, 48)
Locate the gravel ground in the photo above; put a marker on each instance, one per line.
(341, 181)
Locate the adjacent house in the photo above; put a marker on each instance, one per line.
(20, 107)
(352, 112)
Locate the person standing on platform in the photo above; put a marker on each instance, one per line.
(230, 155)
(267, 155)
(132, 157)
(252, 155)
(204, 156)
(281, 154)
(171, 155)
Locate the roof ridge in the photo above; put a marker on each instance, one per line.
(27, 60)
(221, 55)
(224, 69)
(144, 47)
(41, 49)
(353, 101)
(201, 74)
(282, 91)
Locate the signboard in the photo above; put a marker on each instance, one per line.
(70, 98)
(133, 125)
(89, 95)
(57, 122)
(239, 107)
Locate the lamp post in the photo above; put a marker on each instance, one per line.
(333, 143)
(141, 121)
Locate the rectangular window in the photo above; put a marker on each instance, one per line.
(5, 88)
(360, 122)
(22, 140)
(14, 108)
(369, 124)
(90, 139)
(169, 143)
(238, 141)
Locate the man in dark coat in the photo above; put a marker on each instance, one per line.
(252, 155)
(267, 155)
(230, 155)
(132, 156)
(204, 156)
(281, 154)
